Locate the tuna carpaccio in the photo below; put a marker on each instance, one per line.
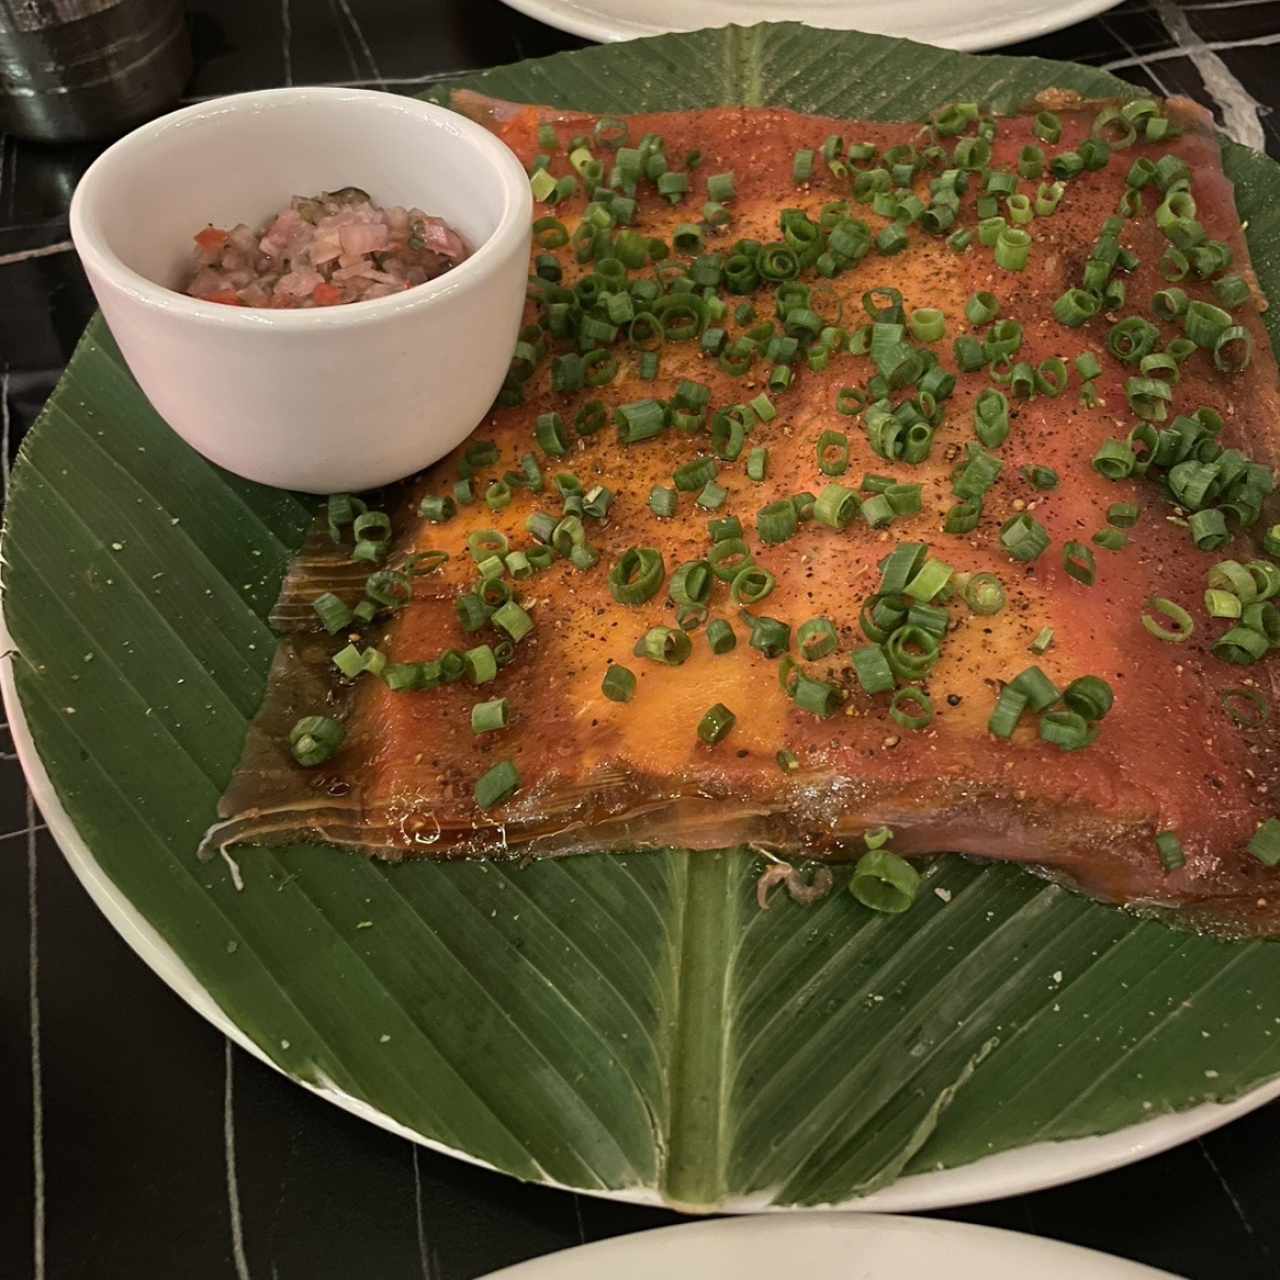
(1181, 751)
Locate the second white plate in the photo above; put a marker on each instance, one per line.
(953, 24)
(867, 1246)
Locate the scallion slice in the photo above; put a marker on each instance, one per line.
(498, 785)
(1183, 623)
(872, 669)
(1067, 730)
(636, 576)
(884, 882)
(984, 594)
(1024, 537)
(1007, 712)
(315, 739)
(1169, 847)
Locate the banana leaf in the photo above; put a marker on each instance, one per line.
(628, 1023)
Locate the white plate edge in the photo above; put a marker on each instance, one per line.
(848, 1229)
(581, 20)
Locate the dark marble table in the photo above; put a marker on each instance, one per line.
(134, 1140)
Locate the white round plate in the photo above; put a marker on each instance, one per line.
(951, 24)
(863, 1246)
(1031, 1168)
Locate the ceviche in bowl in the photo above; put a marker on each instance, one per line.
(317, 288)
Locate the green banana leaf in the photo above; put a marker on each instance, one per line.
(628, 1022)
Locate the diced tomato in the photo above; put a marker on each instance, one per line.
(326, 294)
(228, 297)
(211, 239)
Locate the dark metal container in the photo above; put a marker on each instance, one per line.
(81, 69)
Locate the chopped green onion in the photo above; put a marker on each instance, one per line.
(1115, 459)
(663, 502)
(721, 636)
(1208, 529)
(927, 324)
(901, 565)
(815, 696)
(513, 620)
(984, 594)
(873, 670)
(836, 506)
(770, 636)
(1024, 537)
(982, 308)
(1042, 478)
(833, 453)
(751, 585)
(487, 717)
(716, 724)
(1066, 729)
(1169, 847)
(1039, 691)
(1222, 604)
(1075, 307)
(1088, 366)
(1089, 696)
(315, 739)
(481, 665)
(1111, 539)
(1012, 249)
(817, 638)
(1079, 563)
(884, 882)
(1183, 623)
(929, 581)
(641, 420)
(1007, 712)
(1043, 641)
(619, 684)
(712, 497)
(636, 576)
(776, 522)
(1265, 845)
(666, 645)
(1048, 127)
(691, 583)
(991, 418)
(333, 613)
(497, 785)
(900, 708)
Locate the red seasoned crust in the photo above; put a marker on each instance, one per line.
(597, 775)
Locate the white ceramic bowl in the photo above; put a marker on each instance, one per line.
(328, 399)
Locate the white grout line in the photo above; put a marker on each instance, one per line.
(45, 251)
(385, 82)
(12, 186)
(364, 44)
(1226, 4)
(286, 41)
(233, 1186)
(37, 1072)
(1240, 109)
(1119, 39)
(423, 1255)
(5, 422)
(341, 28)
(1189, 51)
(29, 831)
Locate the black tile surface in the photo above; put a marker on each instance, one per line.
(134, 1141)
